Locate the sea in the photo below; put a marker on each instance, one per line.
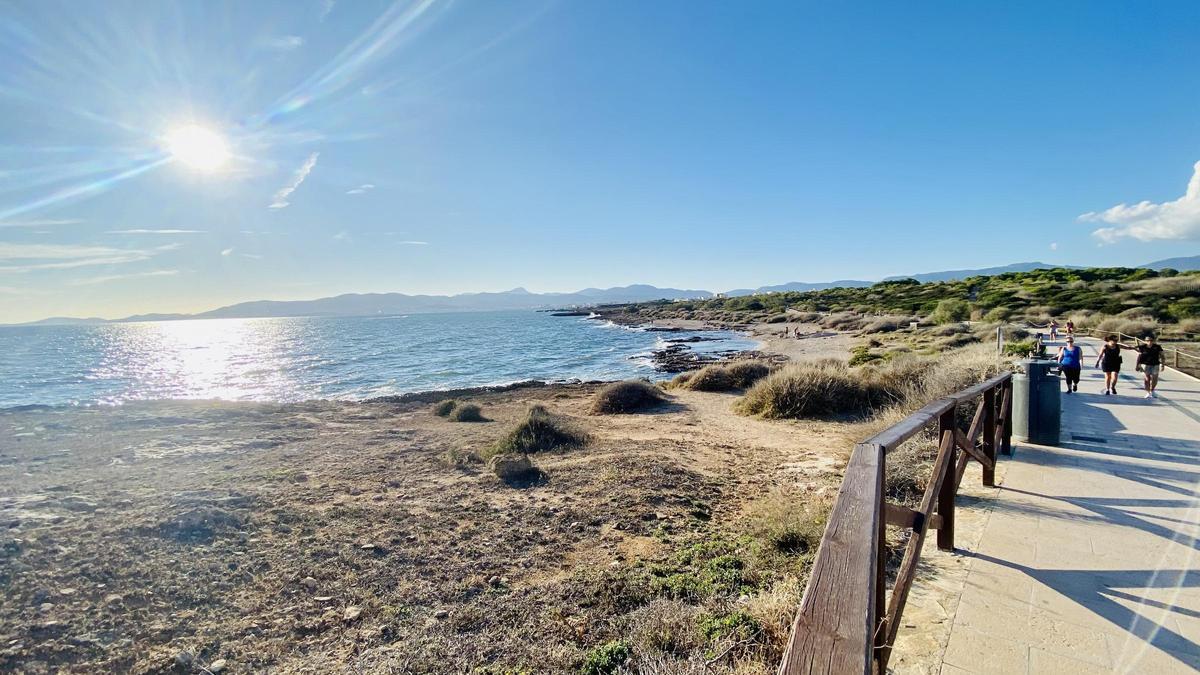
(344, 358)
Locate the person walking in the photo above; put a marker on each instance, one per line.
(1150, 362)
(1109, 361)
(1070, 328)
(1070, 359)
(1053, 330)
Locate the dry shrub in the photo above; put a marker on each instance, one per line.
(805, 317)
(775, 609)
(710, 378)
(792, 523)
(444, 408)
(843, 321)
(467, 412)
(538, 432)
(1181, 285)
(1134, 327)
(888, 324)
(808, 389)
(664, 627)
(746, 373)
(1189, 326)
(627, 397)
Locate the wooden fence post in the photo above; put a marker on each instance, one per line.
(881, 617)
(1007, 406)
(948, 488)
(989, 436)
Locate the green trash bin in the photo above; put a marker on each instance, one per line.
(1037, 402)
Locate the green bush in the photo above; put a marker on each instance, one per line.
(1019, 347)
(737, 625)
(538, 432)
(950, 310)
(627, 397)
(607, 658)
(444, 408)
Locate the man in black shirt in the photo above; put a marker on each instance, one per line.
(1150, 362)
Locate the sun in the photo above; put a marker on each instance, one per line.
(197, 147)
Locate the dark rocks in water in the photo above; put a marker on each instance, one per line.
(570, 313)
(694, 338)
(663, 329)
(678, 358)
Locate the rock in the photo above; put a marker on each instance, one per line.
(309, 583)
(184, 659)
(494, 581)
(112, 598)
(323, 598)
(511, 467)
(216, 666)
(441, 614)
(352, 613)
(46, 606)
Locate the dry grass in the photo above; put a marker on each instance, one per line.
(540, 431)
(726, 377)
(467, 412)
(627, 397)
(444, 408)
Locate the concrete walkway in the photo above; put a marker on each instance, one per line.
(1088, 559)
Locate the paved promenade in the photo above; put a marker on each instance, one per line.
(1087, 562)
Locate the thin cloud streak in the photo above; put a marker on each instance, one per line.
(42, 223)
(280, 200)
(411, 242)
(156, 232)
(118, 277)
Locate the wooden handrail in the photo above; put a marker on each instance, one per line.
(847, 621)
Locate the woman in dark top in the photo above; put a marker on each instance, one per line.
(1110, 362)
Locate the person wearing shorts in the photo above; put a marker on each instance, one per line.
(1150, 362)
(1070, 359)
(1109, 361)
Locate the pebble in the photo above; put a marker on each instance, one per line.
(494, 581)
(46, 606)
(352, 613)
(441, 614)
(309, 583)
(184, 659)
(112, 598)
(323, 598)
(67, 591)
(216, 666)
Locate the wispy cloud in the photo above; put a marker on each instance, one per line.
(342, 236)
(31, 257)
(283, 43)
(412, 242)
(252, 256)
(281, 198)
(1054, 246)
(326, 8)
(117, 277)
(227, 252)
(41, 223)
(361, 189)
(1147, 221)
(155, 232)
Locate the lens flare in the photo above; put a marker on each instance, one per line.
(198, 147)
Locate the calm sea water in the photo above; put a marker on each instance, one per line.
(317, 358)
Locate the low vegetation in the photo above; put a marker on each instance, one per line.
(1162, 296)
(626, 397)
(540, 431)
(467, 412)
(722, 377)
(444, 408)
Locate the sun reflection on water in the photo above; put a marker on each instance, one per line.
(233, 359)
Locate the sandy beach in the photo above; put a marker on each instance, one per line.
(324, 536)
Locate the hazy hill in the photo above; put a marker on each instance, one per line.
(1187, 264)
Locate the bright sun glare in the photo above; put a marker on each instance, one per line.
(197, 147)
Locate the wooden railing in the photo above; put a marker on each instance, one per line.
(847, 621)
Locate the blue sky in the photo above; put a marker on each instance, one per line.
(442, 147)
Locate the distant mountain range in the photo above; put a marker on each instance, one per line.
(367, 304)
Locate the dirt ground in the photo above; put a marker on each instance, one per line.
(338, 537)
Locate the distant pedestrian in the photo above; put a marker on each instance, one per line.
(1053, 330)
(1070, 327)
(1109, 361)
(1070, 359)
(1150, 362)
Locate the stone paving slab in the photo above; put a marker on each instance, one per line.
(1087, 561)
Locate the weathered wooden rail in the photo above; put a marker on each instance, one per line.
(847, 620)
